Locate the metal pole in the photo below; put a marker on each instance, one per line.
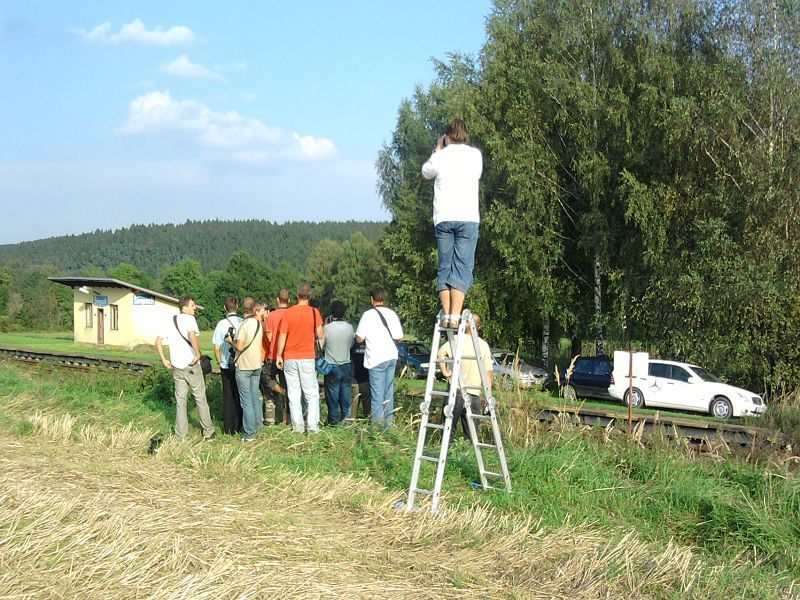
(630, 390)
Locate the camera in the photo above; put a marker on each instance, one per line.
(231, 350)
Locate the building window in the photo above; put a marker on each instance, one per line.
(114, 317)
(87, 308)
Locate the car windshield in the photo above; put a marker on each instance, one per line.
(505, 358)
(705, 375)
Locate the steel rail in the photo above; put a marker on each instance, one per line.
(79, 361)
(697, 430)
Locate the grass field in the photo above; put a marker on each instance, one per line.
(85, 511)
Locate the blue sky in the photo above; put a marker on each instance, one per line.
(114, 113)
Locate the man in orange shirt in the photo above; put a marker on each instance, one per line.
(273, 382)
(300, 327)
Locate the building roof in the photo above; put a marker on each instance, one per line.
(114, 283)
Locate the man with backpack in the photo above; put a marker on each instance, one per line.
(231, 406)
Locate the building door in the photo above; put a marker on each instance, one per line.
(100, 327)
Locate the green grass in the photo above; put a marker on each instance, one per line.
(730, 511)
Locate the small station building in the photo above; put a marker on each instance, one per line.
(111, 312)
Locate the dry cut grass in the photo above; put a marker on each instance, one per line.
(87, 513)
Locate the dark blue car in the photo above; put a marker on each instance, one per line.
(590, 378)
(412, 360)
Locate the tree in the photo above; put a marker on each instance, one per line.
(320, 268)
(359, 267)
(130, 274)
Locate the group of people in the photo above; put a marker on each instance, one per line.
(267, 356)
(271, 353)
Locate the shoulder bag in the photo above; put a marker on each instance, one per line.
(205, 361)
(383, 320)
(323, 366)
(258, 327)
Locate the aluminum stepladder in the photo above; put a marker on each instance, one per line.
(458, 339)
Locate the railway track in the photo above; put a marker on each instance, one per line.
(74, 361)
(696, 430)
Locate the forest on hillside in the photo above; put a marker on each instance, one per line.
(209, 260)
(154, 248)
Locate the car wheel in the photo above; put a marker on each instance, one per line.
(638, 398)
(569, 393)
(507, 384)
(413, 373)
(721, 408)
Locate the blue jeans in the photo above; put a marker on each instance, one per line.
(456, 242)
(301, 381)
(252, 415)
(381, 387)
(338, 392)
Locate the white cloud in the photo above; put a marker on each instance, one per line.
(183, 67)
(243, 139)
(135, 32)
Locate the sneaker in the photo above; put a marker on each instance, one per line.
(210, 437)
(247, 440)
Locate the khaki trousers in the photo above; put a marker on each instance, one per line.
(191, 378)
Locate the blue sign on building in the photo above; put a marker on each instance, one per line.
(100, 301)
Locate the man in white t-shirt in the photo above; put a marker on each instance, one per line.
(457, 168)
(184, 356)
(380, 328)
(223, 350)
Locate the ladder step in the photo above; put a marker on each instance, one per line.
(434, 426)
(481, 445)
(421, 491)
(492, 474)
(429, 458)
(482, 417)
(439, 393)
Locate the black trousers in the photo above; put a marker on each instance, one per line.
(271, 376)
(231, 406)
(460, 414)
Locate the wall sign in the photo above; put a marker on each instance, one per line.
(100, 301)
(143, 300)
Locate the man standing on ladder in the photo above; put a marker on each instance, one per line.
(457, 168)
(470, 376)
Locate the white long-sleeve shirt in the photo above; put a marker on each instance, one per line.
(457, 169)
